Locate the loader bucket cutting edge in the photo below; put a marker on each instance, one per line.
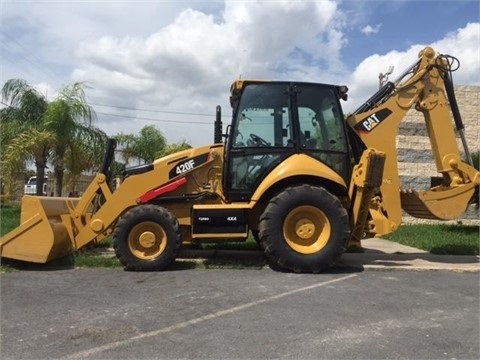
(41, 236)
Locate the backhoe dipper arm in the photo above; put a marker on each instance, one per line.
(376, 124)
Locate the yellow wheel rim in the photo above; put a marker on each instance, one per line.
(147, 240)
(306, 229)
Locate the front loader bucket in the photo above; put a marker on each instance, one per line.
(42, 235)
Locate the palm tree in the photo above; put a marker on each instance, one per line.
(83, 156)
(70, 118)
(173, 148)
(21, 131)
(33, 129)
(34, 145)
(145, 147)
(149, 145)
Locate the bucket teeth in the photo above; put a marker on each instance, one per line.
(414, 205)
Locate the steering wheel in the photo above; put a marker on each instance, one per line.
(258, 140)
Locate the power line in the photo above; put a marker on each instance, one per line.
(157, 111)
(10, 106)
(49, 74)
(144, 118)
(147, 118)
(36, 63)
(158, 120)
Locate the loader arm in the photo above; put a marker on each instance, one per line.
(143, 185)
(427, 87)
(53, 227)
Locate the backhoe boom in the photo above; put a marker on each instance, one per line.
(428, 89)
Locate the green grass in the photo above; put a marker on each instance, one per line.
(92, 260)
(439, 239)
(9, 218)
(250, 244)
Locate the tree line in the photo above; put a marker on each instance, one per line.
(62, 133)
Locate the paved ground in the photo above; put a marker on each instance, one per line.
(382, 253)
(371, 305)
(379, 254)
(241, 314)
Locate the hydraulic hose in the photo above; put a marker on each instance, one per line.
(384, 91)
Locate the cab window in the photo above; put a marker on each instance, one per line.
(322, 131)
(263, 118)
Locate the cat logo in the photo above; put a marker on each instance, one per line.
(368, 124)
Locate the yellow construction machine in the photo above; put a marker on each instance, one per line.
(291, 171)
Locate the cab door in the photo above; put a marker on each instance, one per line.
(322, 131)
(261, 137)
(272, 121)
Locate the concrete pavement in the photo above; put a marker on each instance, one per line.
(239, 314)
(378, 254)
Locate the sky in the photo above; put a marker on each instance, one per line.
(169, 63)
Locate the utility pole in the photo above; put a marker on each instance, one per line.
(383, 78)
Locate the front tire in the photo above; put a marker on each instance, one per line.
(304, 229)
(147, 238)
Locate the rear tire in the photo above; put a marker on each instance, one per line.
(304, 229)
(147, 238)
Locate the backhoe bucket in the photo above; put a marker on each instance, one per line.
(438, 203)
(42, 235)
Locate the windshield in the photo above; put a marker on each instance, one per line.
(263, 117)
(274, 120)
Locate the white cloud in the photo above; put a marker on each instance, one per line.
(46, 33)
(190, 63)
(463, 44)
(182, 56)
(369, 29)
(46, 90)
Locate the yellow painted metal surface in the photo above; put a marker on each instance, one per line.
(298, 165)
(42, 235)
(366, 179)
(306, 229)
(147, 240)
(52, 227)
(424, 90)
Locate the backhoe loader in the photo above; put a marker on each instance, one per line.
(290, 169)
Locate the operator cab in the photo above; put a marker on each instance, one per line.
(274, 120)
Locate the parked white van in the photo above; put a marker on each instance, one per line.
(30, 187)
